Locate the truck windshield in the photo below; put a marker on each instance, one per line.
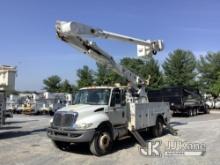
(92, 96)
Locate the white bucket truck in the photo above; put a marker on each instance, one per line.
(103, 114)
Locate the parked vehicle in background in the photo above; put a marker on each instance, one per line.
(210, 103)
(8, 113)
(37, 103)
(10, 108)
(54, 101)
(50, 106)
(19, 109)
(28, 108)
(181, 99)
(217, 103)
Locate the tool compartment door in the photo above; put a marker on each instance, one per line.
(139, 116)
(157, 108)
(143, 115)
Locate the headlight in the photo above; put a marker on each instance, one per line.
(83, 125)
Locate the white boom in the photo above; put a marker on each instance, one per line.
(75, 33)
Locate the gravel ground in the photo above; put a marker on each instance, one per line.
(23, 141)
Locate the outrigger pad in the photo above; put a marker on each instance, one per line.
(171, 129)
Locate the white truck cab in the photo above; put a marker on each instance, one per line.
(101, 115)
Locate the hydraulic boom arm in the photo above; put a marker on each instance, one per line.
(73, 33)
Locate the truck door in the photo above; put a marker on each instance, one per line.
(117, 109)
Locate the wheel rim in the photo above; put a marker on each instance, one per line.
(104, 141)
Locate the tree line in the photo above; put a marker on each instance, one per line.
(180, 68)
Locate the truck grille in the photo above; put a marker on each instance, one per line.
(64, 119)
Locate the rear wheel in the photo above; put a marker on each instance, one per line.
(157, 130)
(190, 112)
(195, 112)
(102, 142)
(207, 111)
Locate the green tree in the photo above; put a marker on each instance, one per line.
(52, 83)
(215, 88)
(86, 77)
(144, 69)
(134, 65)
(65, 86)
(179, 68)
(209, 69)
(106, 76)
(101, 75)
(152, 68)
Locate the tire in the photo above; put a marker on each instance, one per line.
(190, 113)
(61, 145)
(194, 112)
(101, 143)
(207, 111)
(197, 111)
(157, 130)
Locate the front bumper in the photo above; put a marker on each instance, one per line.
(73, 136)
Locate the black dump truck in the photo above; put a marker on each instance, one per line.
(181, 99)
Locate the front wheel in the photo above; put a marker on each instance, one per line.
(101, 143)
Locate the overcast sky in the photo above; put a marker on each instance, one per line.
(28, 40)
